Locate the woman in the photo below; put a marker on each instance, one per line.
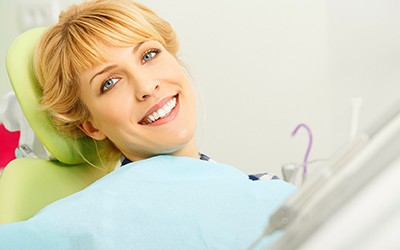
(113, 64)
(109, 71)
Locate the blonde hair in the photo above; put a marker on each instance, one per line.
(71, 46)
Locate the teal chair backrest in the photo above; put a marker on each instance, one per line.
(29, 184)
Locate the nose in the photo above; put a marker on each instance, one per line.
(144, 90)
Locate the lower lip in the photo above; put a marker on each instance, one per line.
(168, 118)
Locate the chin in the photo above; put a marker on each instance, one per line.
(180, 142)
(185, 136)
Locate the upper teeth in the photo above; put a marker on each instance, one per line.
(162, 112)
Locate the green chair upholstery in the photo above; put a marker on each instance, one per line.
(29, 184)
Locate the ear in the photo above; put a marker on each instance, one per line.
(88, 128)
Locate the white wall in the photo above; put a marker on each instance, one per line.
(263, 66)
(364, 59)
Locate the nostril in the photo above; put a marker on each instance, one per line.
(157, 87)
(148, 90)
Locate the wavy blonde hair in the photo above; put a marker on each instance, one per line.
(72, 46)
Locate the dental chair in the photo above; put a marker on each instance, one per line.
(29, 184)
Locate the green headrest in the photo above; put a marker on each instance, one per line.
(28, 92)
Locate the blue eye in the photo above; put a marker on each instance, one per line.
(108, 84)
(149, 55)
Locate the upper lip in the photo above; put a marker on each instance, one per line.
(156, 107)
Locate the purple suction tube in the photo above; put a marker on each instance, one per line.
(310, 142)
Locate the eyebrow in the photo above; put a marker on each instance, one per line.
(110, 67)
(137, 47)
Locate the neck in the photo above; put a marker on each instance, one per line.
(189, 150)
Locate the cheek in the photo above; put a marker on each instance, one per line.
(190, 98)
(111, 113)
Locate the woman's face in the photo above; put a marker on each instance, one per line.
(141, 100)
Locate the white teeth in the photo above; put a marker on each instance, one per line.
(162, 112)
(151, 118)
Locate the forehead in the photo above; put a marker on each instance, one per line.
(106, 53)
(99, 54)
(87, 50)
(111, 57)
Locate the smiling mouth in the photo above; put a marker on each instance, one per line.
(160, 113)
